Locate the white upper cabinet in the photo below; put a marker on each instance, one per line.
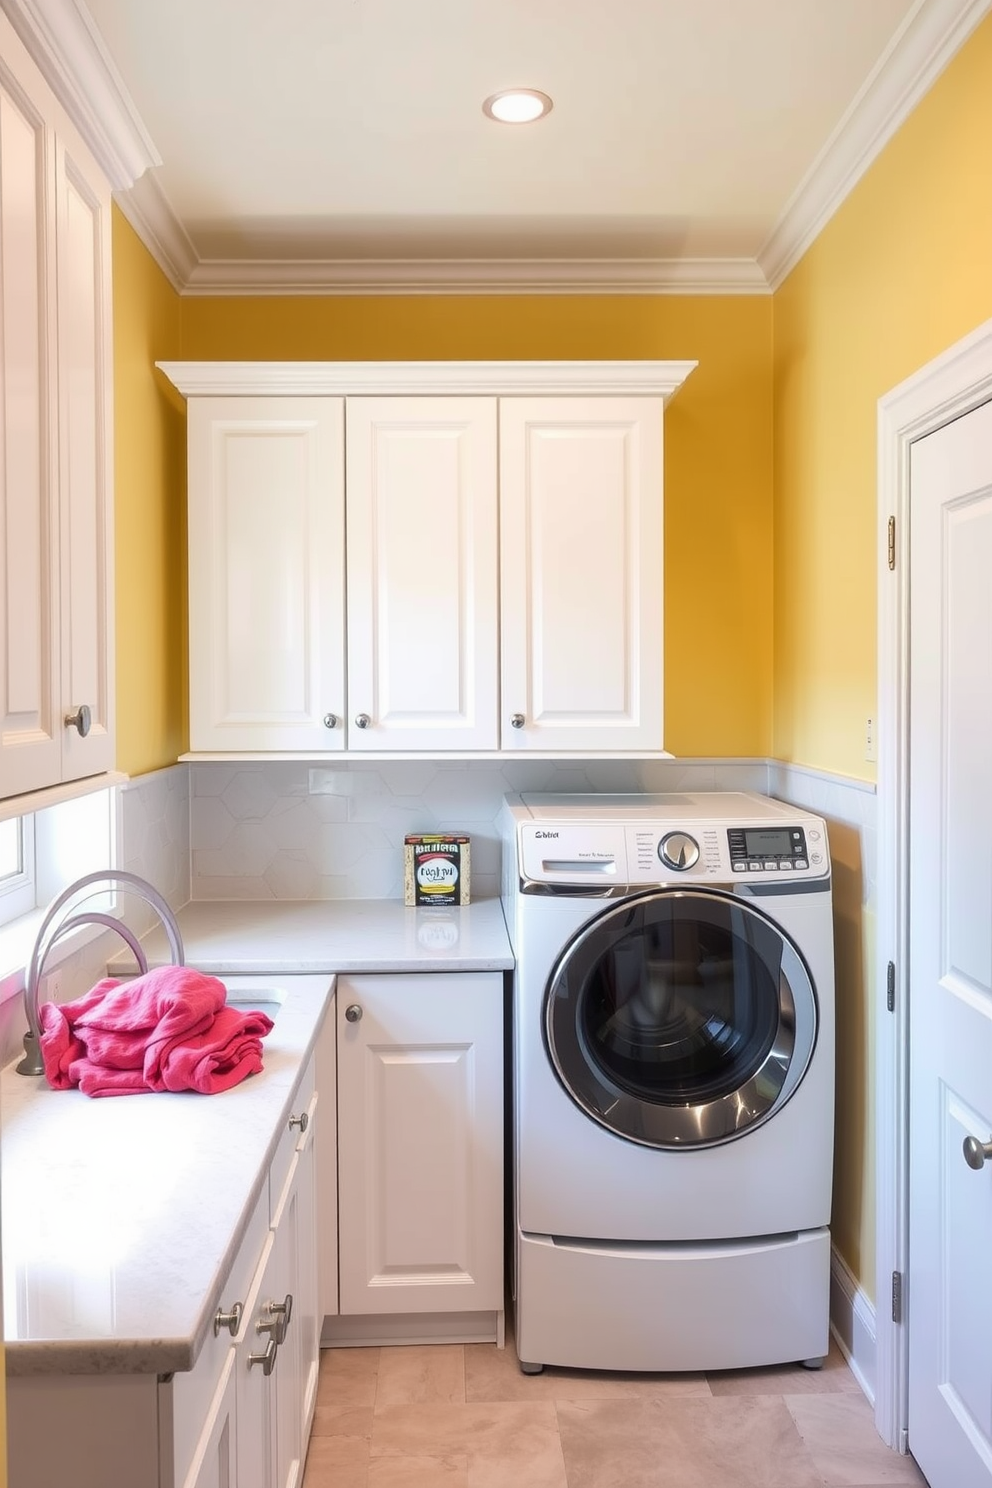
(581, 573)
(481, 541)
(422, 575)
(266, 574)
(56, 572)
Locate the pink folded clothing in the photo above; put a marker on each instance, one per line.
(94, 1079)
(214, 1061)
(169, 1029)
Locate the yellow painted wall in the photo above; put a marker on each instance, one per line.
(903, 270)
(718, 455)
(150, 513)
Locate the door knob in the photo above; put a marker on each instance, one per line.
(353, 1013)
(363, 720)
(330, 720)
(80, 720)
(518, 720)
(975, 1152)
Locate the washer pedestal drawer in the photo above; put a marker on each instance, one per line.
(721, 1305)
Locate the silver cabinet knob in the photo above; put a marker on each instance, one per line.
(81, 720)
(229, 1320)
(518, 720)
(975, 1152)
(301, 1121)
(353, 1013)
(363, 720)
(679, 851)
(268, 1359)
(330, 720)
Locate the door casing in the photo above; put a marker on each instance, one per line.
(951, 385)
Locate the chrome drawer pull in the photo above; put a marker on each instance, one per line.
(268, 1359)
(301, 1121)
(283, 1312)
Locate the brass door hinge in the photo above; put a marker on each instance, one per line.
(892, 542)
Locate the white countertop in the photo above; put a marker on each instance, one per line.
(122, 1216)
(334, 935)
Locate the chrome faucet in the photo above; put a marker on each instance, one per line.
(54, 926)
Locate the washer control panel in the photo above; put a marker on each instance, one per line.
(671, 852)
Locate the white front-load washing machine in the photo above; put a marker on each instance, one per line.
(673, 1072)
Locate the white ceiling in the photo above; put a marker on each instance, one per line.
(349, 134)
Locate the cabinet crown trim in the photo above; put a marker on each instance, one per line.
(219, 379)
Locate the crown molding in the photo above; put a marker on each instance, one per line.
(516, 276)
(929, 37)
(150, 213)
(225, 379)
(63, 40)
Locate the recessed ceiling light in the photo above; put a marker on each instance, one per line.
(517, 106)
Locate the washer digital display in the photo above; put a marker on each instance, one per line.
(768, 842)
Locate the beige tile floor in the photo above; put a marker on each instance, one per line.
(454, 1416)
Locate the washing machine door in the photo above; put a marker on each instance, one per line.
(681, 1018)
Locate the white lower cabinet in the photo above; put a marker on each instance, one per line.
(257, 1431)
(241, 1417)
(420, 1157)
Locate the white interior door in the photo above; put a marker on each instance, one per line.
(950, 916)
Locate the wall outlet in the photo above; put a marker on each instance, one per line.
(871, 749)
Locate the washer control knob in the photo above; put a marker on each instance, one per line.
(678, 850)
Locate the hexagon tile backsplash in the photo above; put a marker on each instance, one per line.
(288, 830)
(276, 830)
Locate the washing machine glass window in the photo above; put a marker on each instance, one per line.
(681, 1019)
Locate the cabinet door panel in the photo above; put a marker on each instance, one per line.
(308, 1315)
(266, 575)
(422, 638)
(255, 1390)
(215, 1463)
(581, 572)
(420, 1087)
(85, 475)
(30, 731)
(288, 1380)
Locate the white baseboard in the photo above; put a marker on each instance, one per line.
(852, 1322)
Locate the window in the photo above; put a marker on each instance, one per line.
(17, 882)
(39, 856)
